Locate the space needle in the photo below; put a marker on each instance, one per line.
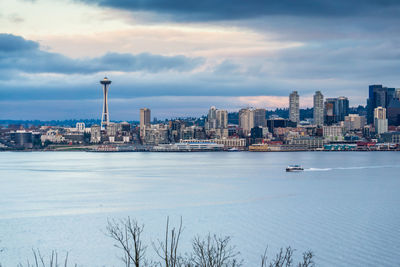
(105, 117)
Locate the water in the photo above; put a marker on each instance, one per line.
(344, 206)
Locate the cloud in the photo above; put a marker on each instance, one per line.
(211, 10)
(17, 53)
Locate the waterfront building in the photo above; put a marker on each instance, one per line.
(333, 132)
(189, 146)
(227, 142)
(318, 108)
(22, 139)
(309, 142)
(294, 107)
(105, 117)
(53, 136)
(380, 120)
(391, 137)
(354, 122)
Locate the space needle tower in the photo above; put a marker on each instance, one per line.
(105, 117)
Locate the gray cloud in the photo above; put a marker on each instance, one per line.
(207, 10)
(19, 54)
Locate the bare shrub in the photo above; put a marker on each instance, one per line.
(128, 233)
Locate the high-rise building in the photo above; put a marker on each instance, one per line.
(318, 108)
(342, 110)
(217, 123)
(380, 120)
(259, 117)
(398, 93)
(211, 118)
(145, 115)
(336, 109)
(246, 120)
(330, 111)
(379, 96)
(105, 117)
(221, 119)
(294, 107)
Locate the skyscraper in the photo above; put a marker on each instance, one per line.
(221, 119)
(294, 110)
(379, 96)
(336, 109)
(246, 120)
(211, 118)
(105, 117)
(318, 108)
(145, 115)
(342, 108)
(380, 120)
(259, 117)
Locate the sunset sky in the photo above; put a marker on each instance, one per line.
(179, 57)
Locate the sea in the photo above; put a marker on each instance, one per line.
(344, 206)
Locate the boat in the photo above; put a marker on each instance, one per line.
(294, 168)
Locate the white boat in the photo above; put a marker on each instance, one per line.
(294, 168)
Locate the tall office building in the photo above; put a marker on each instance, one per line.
(342, 108)
(330, 111)
(318, 108)
(380, 120)
(259, 117)
(336, 109)
(246, 120)
(221, 119)
(217, 122)
(145, 115)
(105, 117)
(294, 107)
(379, 96)
(211, 122)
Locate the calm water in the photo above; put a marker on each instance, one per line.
(345, 206)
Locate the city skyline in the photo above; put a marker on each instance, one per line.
(183, 59)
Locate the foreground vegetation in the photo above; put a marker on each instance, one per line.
(209, 251)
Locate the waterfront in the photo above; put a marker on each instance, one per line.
(344, 206)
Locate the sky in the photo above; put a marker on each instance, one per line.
(179, 57)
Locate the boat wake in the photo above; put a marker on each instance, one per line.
(350, 168)
(318, 169)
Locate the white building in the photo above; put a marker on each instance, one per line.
(95, 134)
(333, 133)
(246, 120)
(354, 122)
(80, 127)
(380, 120)
(52, 136)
